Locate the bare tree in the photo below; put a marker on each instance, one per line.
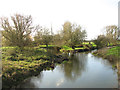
(43, 36)
(17, 33)
(111, 33)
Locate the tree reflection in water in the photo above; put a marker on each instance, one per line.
(74, 68)
(32, 82)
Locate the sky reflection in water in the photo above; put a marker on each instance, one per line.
(82, 71)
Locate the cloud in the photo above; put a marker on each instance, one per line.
(92, 14)
(60, 82)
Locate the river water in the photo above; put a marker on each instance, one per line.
(82, 71)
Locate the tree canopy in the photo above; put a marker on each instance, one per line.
(73, 34)
(17, 32)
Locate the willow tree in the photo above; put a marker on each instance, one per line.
(17, 31)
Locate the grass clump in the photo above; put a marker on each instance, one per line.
(18, 64)
(79, 48)
(114, 51)
(44, 46)
(67, 48)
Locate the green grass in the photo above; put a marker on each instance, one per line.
(19, 65)
(46, 46)
(51, 45)
(79, 48)
(16, 63)
(7, 47)
(42, 45)
(66, 48)
(94, 45)
(87, 43)
(114, 51)
(110, 44)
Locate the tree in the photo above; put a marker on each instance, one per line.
(111, 33)
(77, 36)
(43, 36)
(17, 33)
(73, 34)
(57, 40)
(38, 36)
(67, 32)
(101, 41)
(46, 37)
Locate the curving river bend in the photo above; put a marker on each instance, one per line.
(82, 71)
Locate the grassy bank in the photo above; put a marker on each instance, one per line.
(110, 53)
(17, 65)
(85, 46)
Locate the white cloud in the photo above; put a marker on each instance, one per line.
(60, 82)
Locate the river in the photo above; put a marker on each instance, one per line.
(82, 71)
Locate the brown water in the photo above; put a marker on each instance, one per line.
(83, 71)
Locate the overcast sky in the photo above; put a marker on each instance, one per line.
(92, 15)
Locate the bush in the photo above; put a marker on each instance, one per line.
(101, 41)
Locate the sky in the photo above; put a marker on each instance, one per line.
(92, 15)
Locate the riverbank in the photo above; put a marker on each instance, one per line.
(110, 53)
(113, 55)
(85, 46)
(18, 65)
(71, 74)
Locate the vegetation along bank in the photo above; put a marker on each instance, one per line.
(18, 65)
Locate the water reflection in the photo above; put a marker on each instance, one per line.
(82, 71)
(32, 82)
(75, 66)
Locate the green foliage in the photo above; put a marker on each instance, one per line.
(72, 34)
(101, 41)
(30, 61)
(43, 36)
(112, 54)
(22, 63)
